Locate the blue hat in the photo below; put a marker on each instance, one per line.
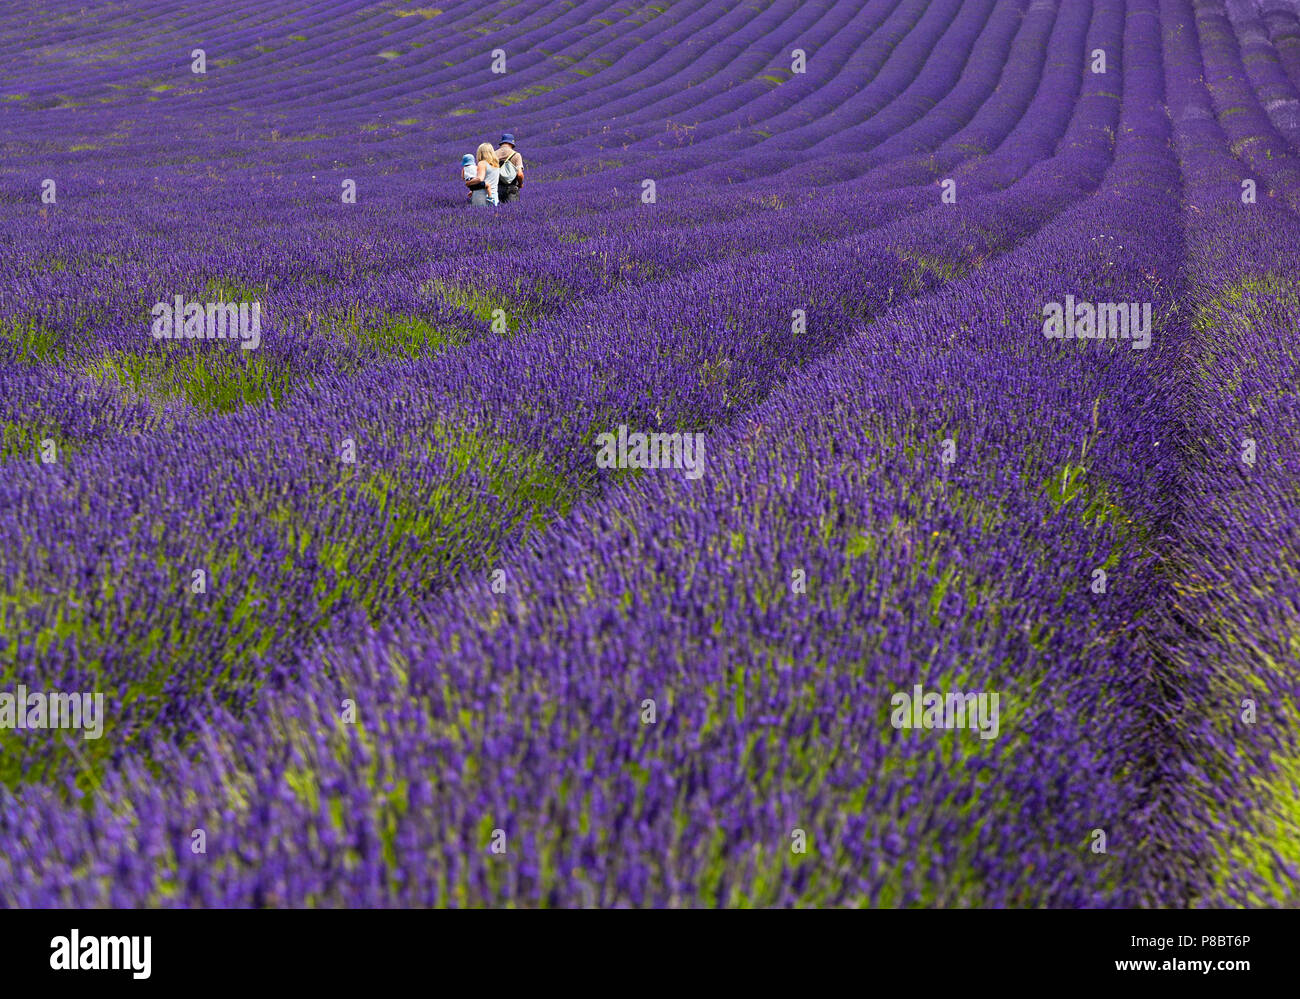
(467, 160)
(507, 137)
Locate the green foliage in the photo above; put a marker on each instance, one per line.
(35, 341)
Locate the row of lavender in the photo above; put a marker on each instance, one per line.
(1234, 559)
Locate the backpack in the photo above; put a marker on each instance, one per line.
(508, 172)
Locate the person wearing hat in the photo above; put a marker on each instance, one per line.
(477, 194)
(512, 169)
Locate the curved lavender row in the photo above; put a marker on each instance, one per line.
(609, 43)
(1238, 567)
(932, 100)
(1276, 93)
(891, 64)
(899, 105)
(527, 77)
(1253, 136)
(1283, 23)
(847, 47)
(1023, 83)
(1233, 564)
(163, 37)
(937, 75)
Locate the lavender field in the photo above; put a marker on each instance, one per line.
(970, 327)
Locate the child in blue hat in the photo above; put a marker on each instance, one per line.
(468, 172)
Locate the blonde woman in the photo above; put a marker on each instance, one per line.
(489, 171)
